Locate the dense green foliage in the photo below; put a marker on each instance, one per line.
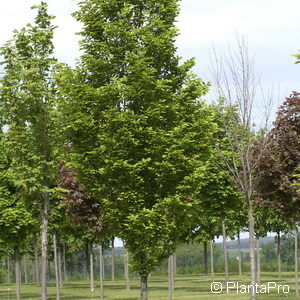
(139, 135)
(16, 221)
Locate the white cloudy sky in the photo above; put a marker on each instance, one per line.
(271, 26)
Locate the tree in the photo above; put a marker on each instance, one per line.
(27, 95)
(86, 213)
(278, 166)
(16, 221)
(236, 84)
(138, 131)
(220, 208)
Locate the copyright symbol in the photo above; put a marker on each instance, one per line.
(216, 287)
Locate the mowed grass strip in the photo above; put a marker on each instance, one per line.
(191, 287)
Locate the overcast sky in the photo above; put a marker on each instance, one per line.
(271, 26)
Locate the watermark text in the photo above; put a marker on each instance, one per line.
(236, 287)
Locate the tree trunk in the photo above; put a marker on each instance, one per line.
(101, 271)
(144, 287)
(36, 263)
(92, 284)
(8, 270)
(59, 266)
(87, 260)
(18, 273)
(175, 264)
(49, 269)
(56, 266)
(113, 259)
(45, 217)
(205, 257)
(65, 263)
(251, 247)
(103, 263)
(296, 261)
(257, 261)
(279, 253)
(84, 269)
(211, 261)
(25, 270)
(170, 276)
(239, 254)
(126, 270)
(225, 251)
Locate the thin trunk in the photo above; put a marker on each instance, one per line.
(103, 263)
(36, 263)
(87, 260)
(279, 253)
(18, 273)
(205, 257)
(25, 271)
(45, 216)
(113, 259)
(257, 261)
(296, 261)
(239, 253)
(211, 261)
(56, 266)
(144, 287)
(225, 251)
(251, 247)
(101, 272)
(8, 270)
(84, 269)
(173, 271)
(170, 277)
(59, 266)
(126, 270)
(49, 269)
(175, 264)
(92, 284)
(65, 263)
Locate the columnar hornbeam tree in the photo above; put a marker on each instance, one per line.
(27, 95)
(139, 133)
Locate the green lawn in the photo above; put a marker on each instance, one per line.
(186, 287)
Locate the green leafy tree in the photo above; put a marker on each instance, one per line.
(221, 210)
(138, 132)
(27, 94)
(16, 221)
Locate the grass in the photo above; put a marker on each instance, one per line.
(192, 287)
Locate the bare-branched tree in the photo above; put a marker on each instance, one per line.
(241, 143)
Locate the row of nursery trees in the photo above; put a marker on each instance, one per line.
(123, 145)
